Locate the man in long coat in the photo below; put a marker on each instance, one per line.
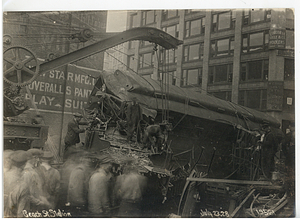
(16, 191)
(72, 136)
(100, 189)
(51, 177)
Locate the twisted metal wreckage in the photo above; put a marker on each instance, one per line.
(201, 151)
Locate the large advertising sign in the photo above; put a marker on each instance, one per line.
(275, 95)
(277, 38)
(59, 90)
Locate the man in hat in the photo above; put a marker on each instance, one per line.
(269, 148)
(15, 190)
(100, 188)
(129, 189)
(77, 197)
(72, 136)
(51, 178)
(37, 200)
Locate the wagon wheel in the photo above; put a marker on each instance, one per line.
(20, 66)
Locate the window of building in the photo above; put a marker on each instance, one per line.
(290, 39)
(289, 69)
(224, 95)
(134, 21)
(193, 52)
(255, 99)
(223, 21)
(131, 62)
(254, 70)
(220, 74)
(146, 60)
(194, 27)
(172, 30)
(168, 56)
(222, 47)
(191, 77)
(148, 17)
(256, 15)
(255, 41)
(288, 100)
(168, 77)
(167, 14)
(23, 29)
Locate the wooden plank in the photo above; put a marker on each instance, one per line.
(247, 182)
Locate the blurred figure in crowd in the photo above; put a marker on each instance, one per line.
(37, 200)
(16, 191)
(51, 177)
(78, 184)
(100, 189)
(129, 191)
(72, 161)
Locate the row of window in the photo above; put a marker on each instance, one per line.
(249, 71)
(219, 48)
(256, 99)
(220, 20)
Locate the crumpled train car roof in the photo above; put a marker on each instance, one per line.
(128, 86)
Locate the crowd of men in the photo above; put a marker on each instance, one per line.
(86, 185)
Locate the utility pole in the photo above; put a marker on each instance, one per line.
(61, 148)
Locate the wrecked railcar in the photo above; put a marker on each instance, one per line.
(217, 143)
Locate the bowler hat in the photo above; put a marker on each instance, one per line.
(36, 152)
(48, 155)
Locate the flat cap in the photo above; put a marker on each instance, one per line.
(78, 115)
(36, 152)
(48, 155)
(20, 156)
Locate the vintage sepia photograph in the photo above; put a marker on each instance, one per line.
(170, 113)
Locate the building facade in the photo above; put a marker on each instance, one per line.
(61, 92)
(243, 56)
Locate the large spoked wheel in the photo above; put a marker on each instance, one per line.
(20, 66)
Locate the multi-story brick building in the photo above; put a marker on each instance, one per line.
(244, 56)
